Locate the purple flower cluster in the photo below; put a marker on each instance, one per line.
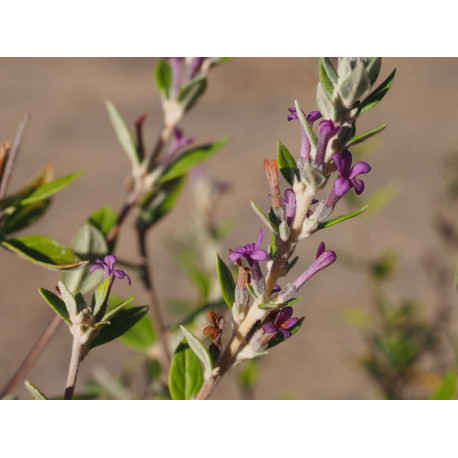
(107, 265)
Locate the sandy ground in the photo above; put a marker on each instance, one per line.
(248, 100)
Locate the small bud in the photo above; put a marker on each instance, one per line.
(284, 231)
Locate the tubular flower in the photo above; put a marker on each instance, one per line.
(107, 265)
(311, 118)
(348, 174)
(283, 322)
(326, 131)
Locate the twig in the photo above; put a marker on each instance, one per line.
(13, 154)
(77, 354)
(32, 356)
(148, 282)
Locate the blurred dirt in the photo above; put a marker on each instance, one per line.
(248, 100)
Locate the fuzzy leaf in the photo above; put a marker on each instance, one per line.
(47, 190)
(355, 86)
(185, 376)
(279, 338)
(57, 304)
(190, 158)
(365, 135)
(120, 324)
(69, 300)
(375, 97)
(44, 252)
(324, 103)
(163, 77)
(190, 92)
(88, 242)
(36, 394)
(339, 219)
(100, 295)
(286, 162)
(373, 68)
(124, 134)
(199, 349)
(117, 308)
(264, 218)
(226, 282)
(328, 75)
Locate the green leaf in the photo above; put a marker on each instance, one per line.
(373, 68)
(117, 308)
(119, 324)
(23, 217)
(103, 219)
(375, 97)
(163, 77)
(286, 163)
(69, 300)
(328, 75)
(47, 190)
(279, 338)
(57, 304)
(447, 388)
(293, 300)
(90, 243)
(124, 134)
(264, 218)
(226, 282)
(185, 376)
(190, 92)
(324, 103)
(199, 349)
(100, 295)
(43, 251)
(365, 135)
(339, 219)
(160, 202)
(140, 337)
(355, 86)
(272, 249)
(34, 391)
(305, 124)
(251, 290)
(190, 158)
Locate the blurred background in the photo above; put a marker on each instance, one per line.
(247, 99)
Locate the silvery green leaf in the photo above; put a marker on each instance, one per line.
(119, 324)
(264, 218)
(124, 134)
(268, 306)
(328, 75)
(355, 86)
(163, 77)
(226, 282)
(100, 295)
(305, 125)
(373, 68)
(199, 349)
(185, 376)
(44, 252)
(286, 163)
(312, 175)
(375, 97)
(56, 304)
(117, 308)
(339, 219)
(365, 135)
(48, 189)
(69, 300)
(88, 242)
(344, 68)
(190, 158)
(324, 103)
(34, 391)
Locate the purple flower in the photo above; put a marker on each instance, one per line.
(348, 174)
(107, 265)
(311, 118)
(175, 65)
(324, 258)
(250, 252)
(326, 131)
(283, 322)
(290, 206)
